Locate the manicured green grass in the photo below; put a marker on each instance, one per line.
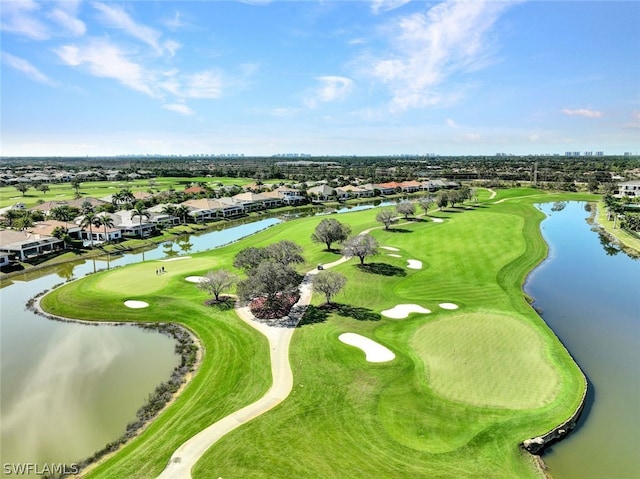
(424, 414)
(98, 189)
(464, 356)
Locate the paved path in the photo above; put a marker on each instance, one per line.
(278, 333)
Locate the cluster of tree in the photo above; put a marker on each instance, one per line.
(270, 272)
(20, 219)
(622, 209)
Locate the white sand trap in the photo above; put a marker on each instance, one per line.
(374, 352)
(393, 255)
(448, 306)
(401, 311)
(437, 220)
(175, 259)
(195, 279)
(135, 304)
(389, 248)
(414, 264)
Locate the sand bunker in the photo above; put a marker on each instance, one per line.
(448, 306)
(394, 255)
(401, 311)
(389, 248)
(437, 220)
(374, 352)
(175, 259)
(414, 264)
(195, 279)
(135, 304)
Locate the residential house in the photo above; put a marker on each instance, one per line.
(322, 192)
(4, 259)
(46, 228)
(387, 188)
(410, 186)
(351, 191)
(629, 188)
(23, 245)
(289, 196)
(257, 201)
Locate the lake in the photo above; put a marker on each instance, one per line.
(589, 294)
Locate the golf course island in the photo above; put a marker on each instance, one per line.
(436, 372)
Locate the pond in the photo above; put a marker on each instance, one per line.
(68, 389)
(588, 292)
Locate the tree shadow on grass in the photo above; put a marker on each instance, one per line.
(383, 269)
(225, 303)
(319, 314)
(399, 230)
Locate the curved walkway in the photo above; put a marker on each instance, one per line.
(278, 333)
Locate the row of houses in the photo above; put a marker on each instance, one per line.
(326, 192)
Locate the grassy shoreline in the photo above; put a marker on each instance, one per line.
(336, 390)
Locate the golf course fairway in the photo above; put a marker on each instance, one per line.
(466, 387)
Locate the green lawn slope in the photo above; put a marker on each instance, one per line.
(466, 387)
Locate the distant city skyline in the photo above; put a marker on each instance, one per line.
(264, 78)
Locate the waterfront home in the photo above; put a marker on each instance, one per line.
(410, 186)
(351, 191)
(387, 188)
(257, 201)
(322, 192)
(24, 245)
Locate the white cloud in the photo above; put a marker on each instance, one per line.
(172, 47)
(104, 59)
(118, 18)
(203, 85)
(429, 48)
(70, 23)
(331, 88)
(378, 6)
(27, 68)
(584, 112)
(451, 123)
(178, 108)
(19, 17)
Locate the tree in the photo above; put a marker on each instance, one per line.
(90, 220)
(425, 203)
(22, 188)
(24, 221)
(442, 200)
(76, 187)
(285, 252)
(249, 258)
(170, 210)
(329, 283)
(139, 210)
(182, 212)
(62, 213)
(361, 246)
(86, 207)
(271, 280)
(43, 187)
(406, 208)
(218, 281)
(330, 231)
(106, 222)
(387, 217)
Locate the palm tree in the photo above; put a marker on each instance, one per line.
(90, 219)
(106, 222)
(86, 207)
(182, 212)
(62, 213)
(140, 211)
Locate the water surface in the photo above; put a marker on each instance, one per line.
(590, 297)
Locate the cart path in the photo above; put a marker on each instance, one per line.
(279, 337)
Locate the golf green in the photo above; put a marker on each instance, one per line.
(487, 359)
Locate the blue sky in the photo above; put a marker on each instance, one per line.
(328, 77)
